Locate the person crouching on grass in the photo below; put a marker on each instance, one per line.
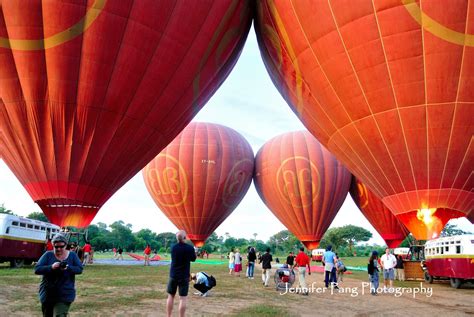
(201, 283)
(59, 268)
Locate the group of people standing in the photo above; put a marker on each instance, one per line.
(390, 265)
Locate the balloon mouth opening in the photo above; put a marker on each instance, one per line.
(71, 206)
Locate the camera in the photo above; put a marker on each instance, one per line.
(63, 264)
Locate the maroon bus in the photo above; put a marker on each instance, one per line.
(450, 258)
(22, 240)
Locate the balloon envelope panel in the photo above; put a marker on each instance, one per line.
(301, 183)
(200, 178)
(387, 87)
(94, 90)
(379, 216)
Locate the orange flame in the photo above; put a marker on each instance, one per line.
(432, 223)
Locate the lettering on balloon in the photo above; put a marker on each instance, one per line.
(169, 184)
(299, 186)
(237, 182)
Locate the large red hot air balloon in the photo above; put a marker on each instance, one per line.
(200, 178)
(301, 183)
(387, 86)
(379, 216)
(93, 90)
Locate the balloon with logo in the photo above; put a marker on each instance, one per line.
(302, 183)
(200, 178)
(387, 86)
(93, 90)
(379, 216)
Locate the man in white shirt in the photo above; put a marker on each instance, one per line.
(388, 261)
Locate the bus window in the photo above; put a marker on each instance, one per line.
(37, 227)
(458, 249)
(8, 230)
(22, 224)
(446, 249)
(43, 228)
(15, 223)
(442, 250)
(30, 226)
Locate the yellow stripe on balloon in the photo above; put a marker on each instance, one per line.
(436, 28)
(59, 38)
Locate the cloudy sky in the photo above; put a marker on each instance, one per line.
(247, 102)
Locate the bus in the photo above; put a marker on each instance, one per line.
(23, 240)
(317, 255)
(450, 258)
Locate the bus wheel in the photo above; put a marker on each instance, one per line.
(428, 277)
(455, 282)
(17, 263)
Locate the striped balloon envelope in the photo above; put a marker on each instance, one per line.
(387, 87)
(302, 183)
(93, 90)
(379, 216)
(200, 178)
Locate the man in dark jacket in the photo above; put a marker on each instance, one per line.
(182, 255)
(266, 261)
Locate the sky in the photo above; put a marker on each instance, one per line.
(249, 103)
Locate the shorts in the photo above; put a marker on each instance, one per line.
(231, 266)
(389, 274)
(183, 285)
(238, 268)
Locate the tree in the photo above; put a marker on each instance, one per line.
(166, 239)
(332, 238)
(38, 216)
(452, 230)
(4, 210)
(353, 234)
(284, 242)
(121, 235)
(341, 237)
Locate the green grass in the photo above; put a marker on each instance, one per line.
(263, 311)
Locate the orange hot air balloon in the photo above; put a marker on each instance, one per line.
(387, 86)
(200, 178)
(94, 90)
(379, 216)
(301, 183)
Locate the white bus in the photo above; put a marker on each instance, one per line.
(23, 240)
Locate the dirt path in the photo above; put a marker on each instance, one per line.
(353, 299)
(234, 296)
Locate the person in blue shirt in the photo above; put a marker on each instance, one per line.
(329, 267)
(201, 283)
(182, 255)
(59, 268)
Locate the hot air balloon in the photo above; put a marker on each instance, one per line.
(379, 216)
(301, 183)
(200, 178)
(387, 87)
(93, 90)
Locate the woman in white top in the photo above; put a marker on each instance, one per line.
(237, 262)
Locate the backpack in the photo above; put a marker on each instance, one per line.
(211, 280)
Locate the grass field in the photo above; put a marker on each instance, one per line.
(105, 290)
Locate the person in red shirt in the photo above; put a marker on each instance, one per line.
(301, 262)
(49, 245)
(87, 248)
(147, 253)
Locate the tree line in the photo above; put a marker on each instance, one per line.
(346, 240)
